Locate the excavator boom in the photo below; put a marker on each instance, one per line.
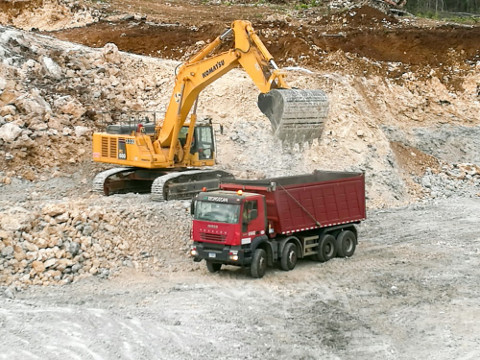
(296, 115)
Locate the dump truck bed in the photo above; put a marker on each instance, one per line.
(299, 203)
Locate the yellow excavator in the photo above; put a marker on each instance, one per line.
(167, 158)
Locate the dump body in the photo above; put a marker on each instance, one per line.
(299, 203)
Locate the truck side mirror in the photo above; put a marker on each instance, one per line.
(192, 207)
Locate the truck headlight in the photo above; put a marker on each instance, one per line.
(193, 251)
(233, 255)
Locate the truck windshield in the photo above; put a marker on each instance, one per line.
(218, 212)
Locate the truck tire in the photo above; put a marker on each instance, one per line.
(289, 257)
(259, 264)
(326, 248)
(213, 267)
(345, 243)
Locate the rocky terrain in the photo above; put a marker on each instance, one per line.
(404, 99)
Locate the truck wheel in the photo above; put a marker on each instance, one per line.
(326, 248)
(259, 264)
(213, 267)
(345, 243)
(289, 257)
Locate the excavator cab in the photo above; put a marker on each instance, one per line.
(203, 142)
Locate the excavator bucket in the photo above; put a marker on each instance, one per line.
(296, 115)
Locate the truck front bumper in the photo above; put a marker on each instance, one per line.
(231, 255)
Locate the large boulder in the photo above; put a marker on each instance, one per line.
(52, 68)
(32, 104)
(70, 106)
(16, 219)
(9, 132)
(111, 54)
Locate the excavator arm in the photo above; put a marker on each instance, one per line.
(250, 53)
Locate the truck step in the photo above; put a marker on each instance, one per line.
(310, 245)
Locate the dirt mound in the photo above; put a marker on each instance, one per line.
(164, 40)
(357, 18)
(49, 107)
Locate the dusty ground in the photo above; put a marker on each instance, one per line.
(405, 99)
(410, 292)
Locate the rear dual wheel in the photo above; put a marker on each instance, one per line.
(345, 243)
(326, 248)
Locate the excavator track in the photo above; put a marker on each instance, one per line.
(163, 184)
(186, 184)
(100, 179)
(296, 115)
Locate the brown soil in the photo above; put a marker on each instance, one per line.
(368, 38)
(15, 8)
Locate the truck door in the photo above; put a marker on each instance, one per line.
(253, 220)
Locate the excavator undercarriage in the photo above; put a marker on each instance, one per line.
(162, 184)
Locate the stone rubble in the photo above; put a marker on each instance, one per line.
(47, 100)
(61, 242)
(452, 181)
(50, 15)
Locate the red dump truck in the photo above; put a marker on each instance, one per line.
(255, 223)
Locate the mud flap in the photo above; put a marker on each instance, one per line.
(296, 115)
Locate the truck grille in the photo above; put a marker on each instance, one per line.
(212, 237)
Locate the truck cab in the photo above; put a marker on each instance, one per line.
(225, 224)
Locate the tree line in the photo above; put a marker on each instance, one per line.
(437, 6)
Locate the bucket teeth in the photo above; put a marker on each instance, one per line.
(296, 115)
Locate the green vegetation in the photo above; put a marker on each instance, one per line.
(307, 4)
(437, 7)
(461, 18)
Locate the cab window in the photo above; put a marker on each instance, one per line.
(250, 211)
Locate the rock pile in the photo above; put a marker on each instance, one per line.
(452, 181)
(47, 14)
(52, 97)
(61, 242)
